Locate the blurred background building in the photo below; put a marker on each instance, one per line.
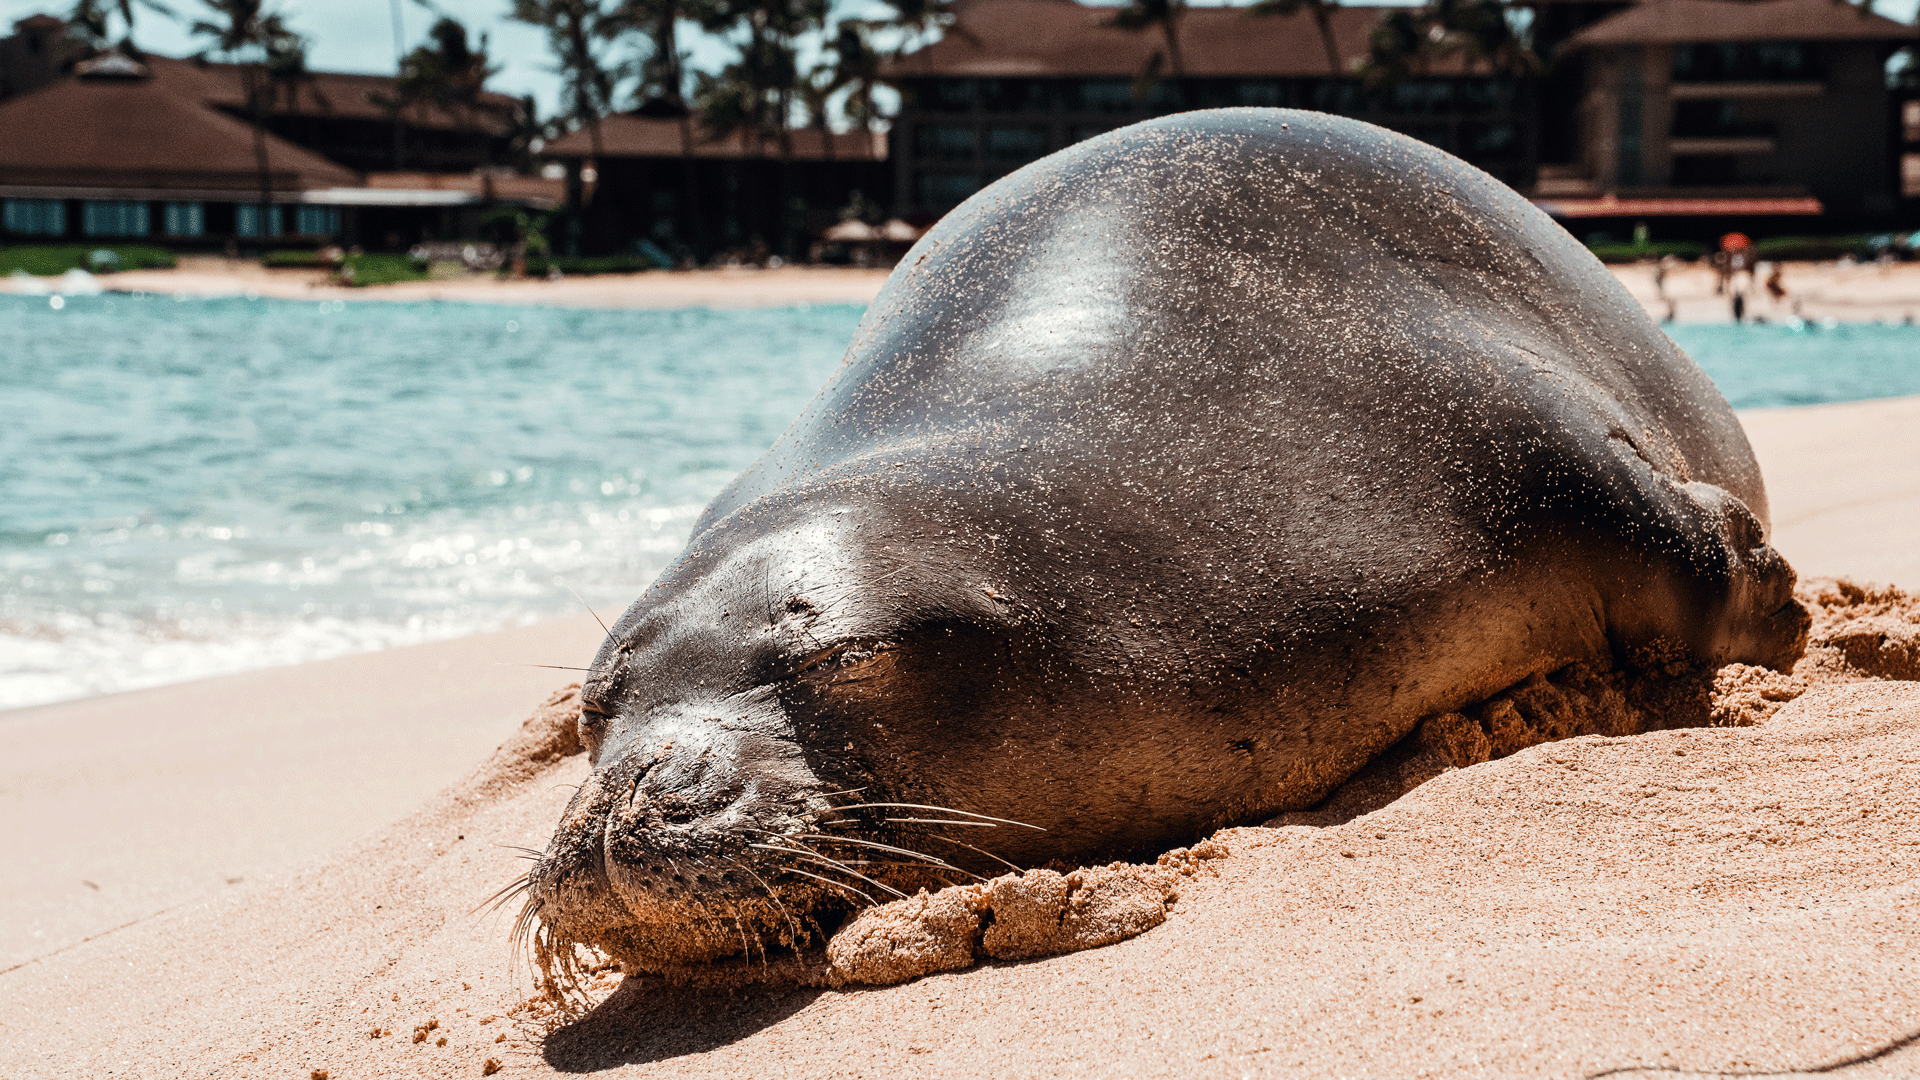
(1695, 115)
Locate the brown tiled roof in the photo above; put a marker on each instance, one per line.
(1063, 38)
(627, 135)
(327, 93)
(138, 134)
(1679, 21)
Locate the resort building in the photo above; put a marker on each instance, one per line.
(1726, 110)
(740, 193)
(161, 150)
(1014, 80)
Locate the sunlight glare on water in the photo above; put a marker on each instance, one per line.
(190, 487)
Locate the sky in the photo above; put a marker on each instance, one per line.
(357, 35)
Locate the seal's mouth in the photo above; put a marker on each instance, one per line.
(758, 882)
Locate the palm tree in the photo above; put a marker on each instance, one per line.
(448, 75)
(1322, 12)
(767, 70)
(270, 57)
(856, 69)
(1141, 14)
(89, 19)
(576, 31)
(1407, 42)
(663, 83)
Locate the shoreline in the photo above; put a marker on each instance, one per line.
(731, 287)
(1867, 292)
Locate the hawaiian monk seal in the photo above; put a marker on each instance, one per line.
(1167, 482)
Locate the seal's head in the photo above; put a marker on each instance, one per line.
(757, 724)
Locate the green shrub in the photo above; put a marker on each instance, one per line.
(1626, 253)
(48, 261)
(1809, 248)
(379, 270)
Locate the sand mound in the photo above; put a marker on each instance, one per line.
(1705, 899)
(1859, 632)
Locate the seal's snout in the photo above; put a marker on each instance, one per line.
(694, 796)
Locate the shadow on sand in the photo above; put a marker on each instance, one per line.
(643, 1021)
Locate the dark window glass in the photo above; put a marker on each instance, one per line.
(1268, 92)
(1013, 95)
(1484, 95)
(1745, 61)
(946, 95)
(186, 218)
(938, 189)
(1715, 119)
(1342, 96)
(1706, 170)
(1083, 132)
(1103, 95)
(36, 217)
(938, 142)
(1420, 96)
(1016, 143)
(103, 217)
(1488, 141)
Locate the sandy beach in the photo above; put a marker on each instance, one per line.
(283, 872)
(1815, 291)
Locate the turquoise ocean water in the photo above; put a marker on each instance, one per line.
(191, 487)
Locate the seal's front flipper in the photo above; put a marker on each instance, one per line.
(1757, 620)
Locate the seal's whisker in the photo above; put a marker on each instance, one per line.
(970, 847)
(590, 611)
(508, 892)
(550, 667)
(931, 860)
(834, 863)
(937, 810)
(830, 881)
(773, 895)
(941, 821)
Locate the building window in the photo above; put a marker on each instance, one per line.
(1706, 170)
(99, 217)
(939, 142)
(1016, 143)
(1421, 96)
(944, 189)
(186, 219)
(1102, 95)
(316, 220)
(946, 95)
(1627, 158)
(1267, 92)
(1910, 175)
(246, 219)
(1013, 95)
(1715, 120)
(1488, 141)
(1910, 120)
(36, 217)
(1745, 61)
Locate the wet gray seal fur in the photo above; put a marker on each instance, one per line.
(1167, 482)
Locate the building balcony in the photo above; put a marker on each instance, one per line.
(1752, 91)
(1723, 144)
